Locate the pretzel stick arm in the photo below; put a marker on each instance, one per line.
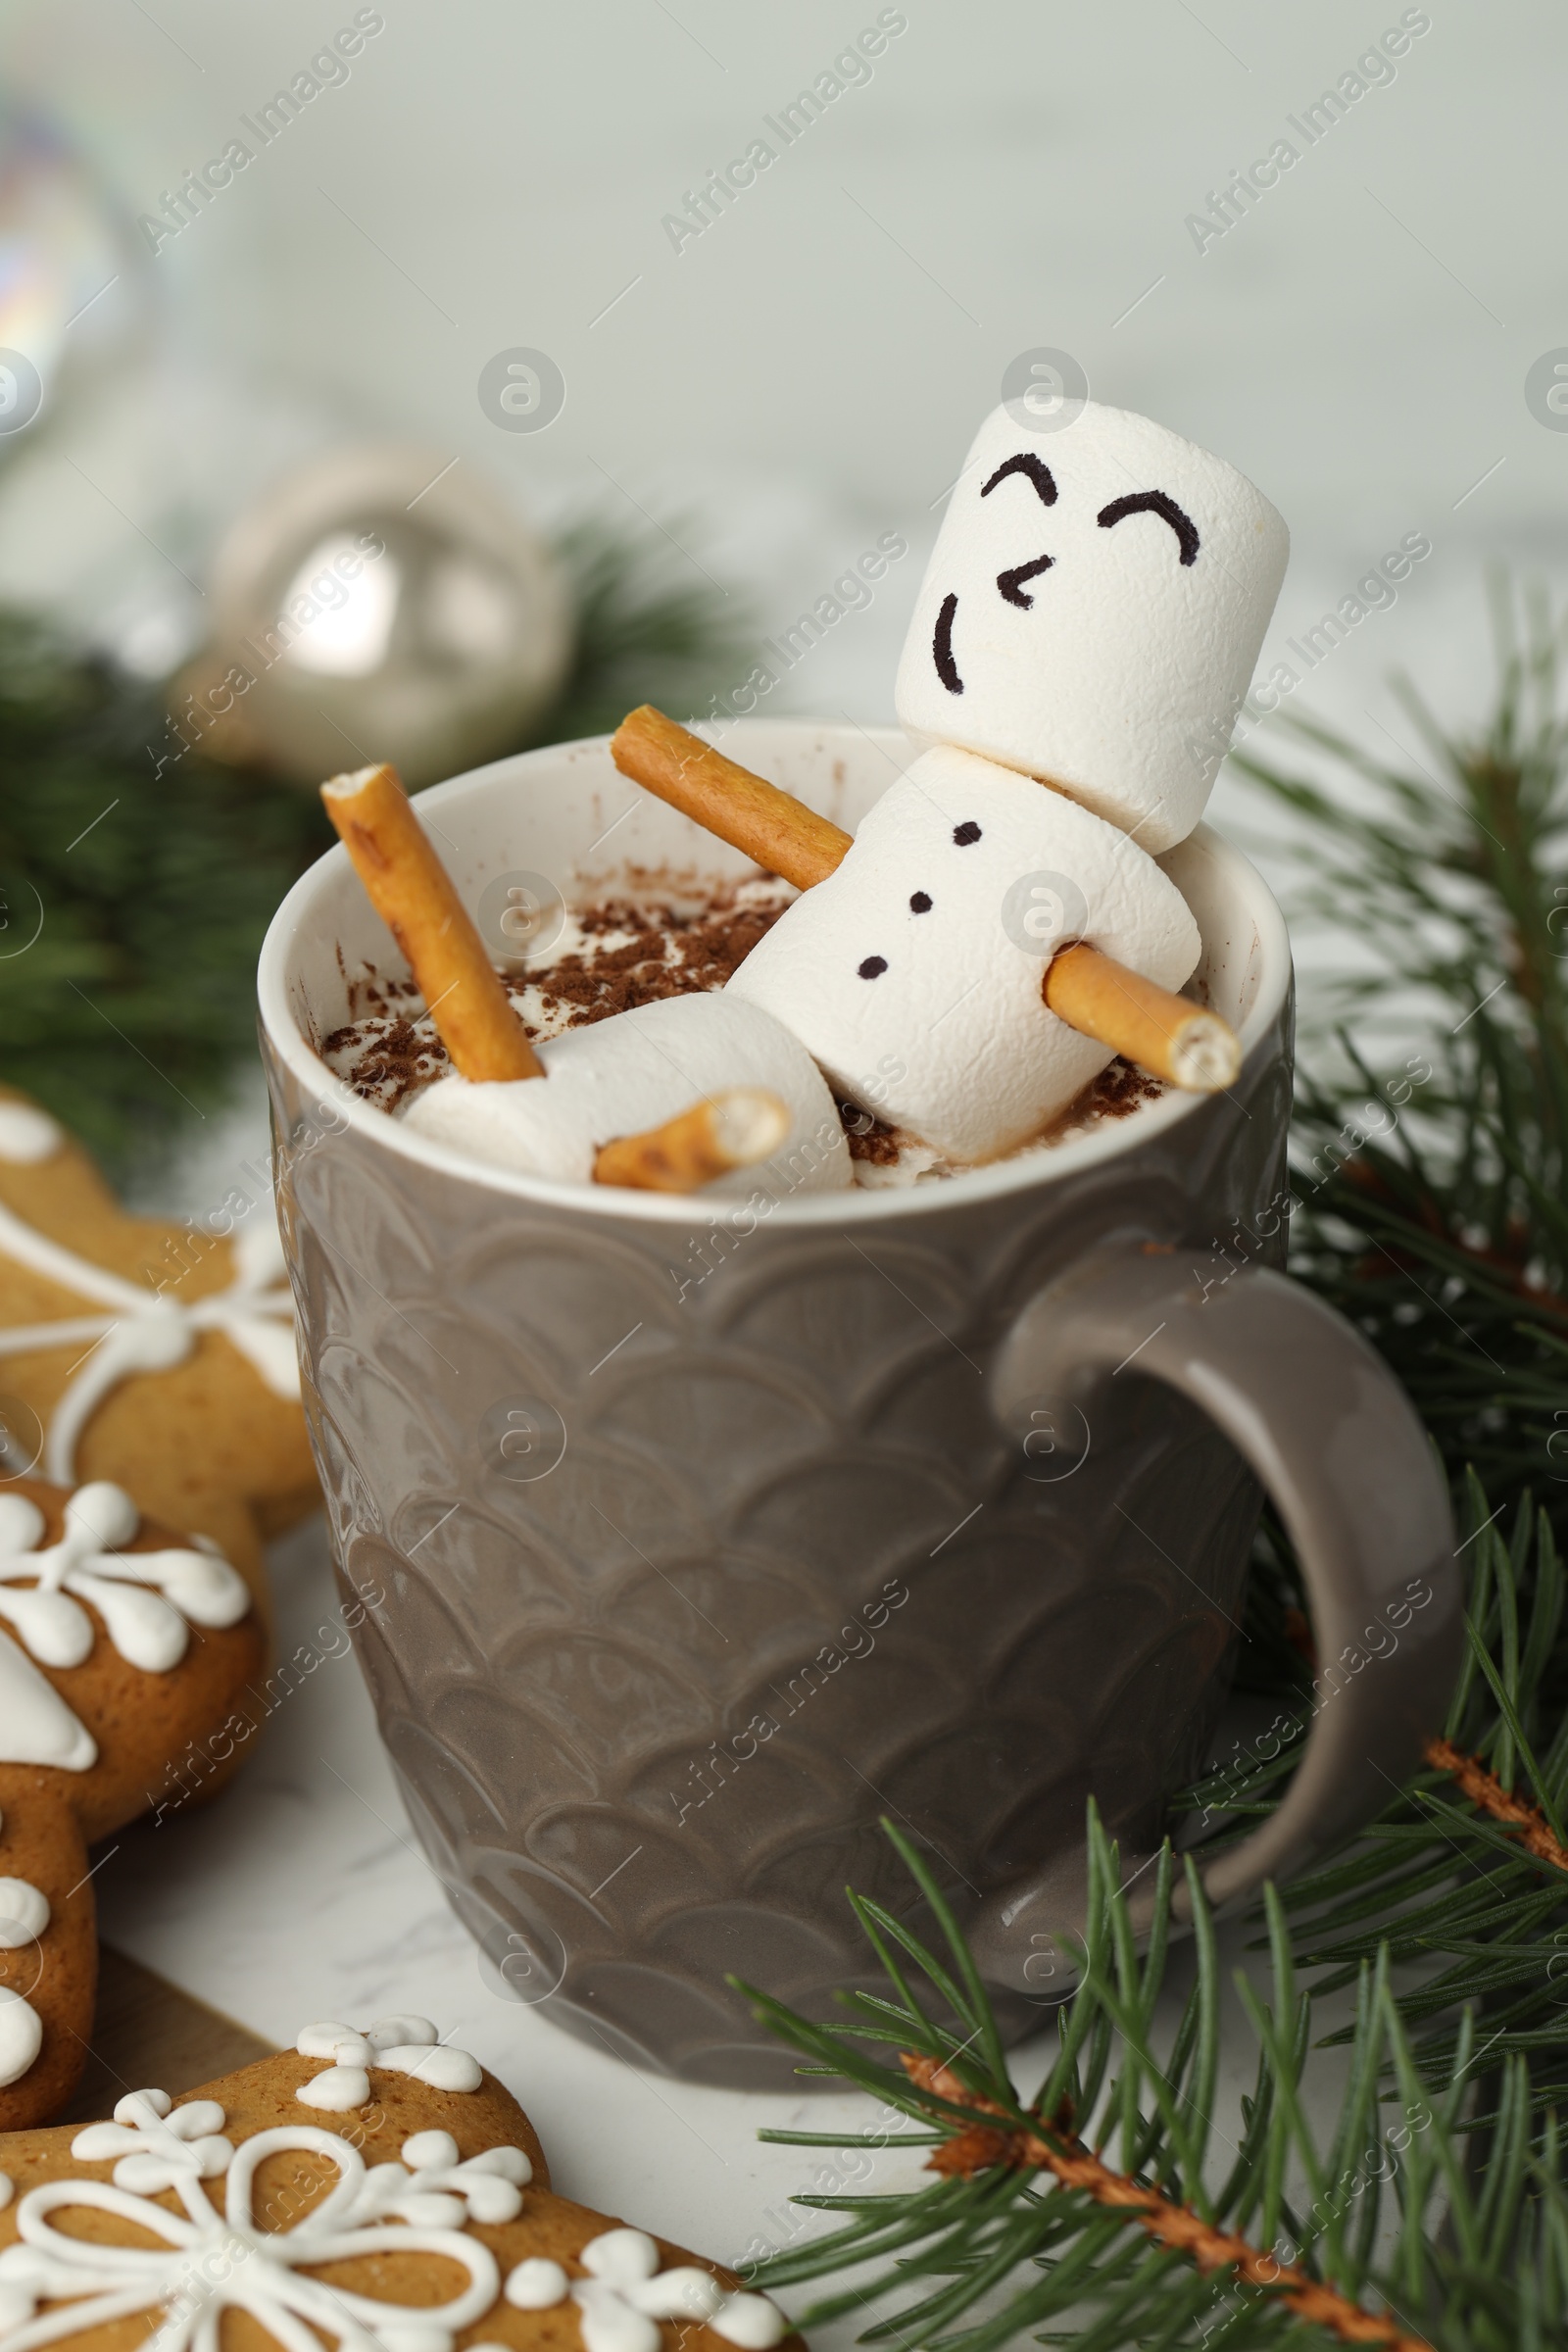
(732, 1130)
(412, 892)
(1164, 1034)
(1167, 1035)
(775, 829)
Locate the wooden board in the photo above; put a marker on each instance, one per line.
(149, 2035)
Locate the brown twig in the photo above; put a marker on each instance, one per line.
(1486, 1792)
(1168, 2223)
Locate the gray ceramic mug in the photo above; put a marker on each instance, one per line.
(711, 1535)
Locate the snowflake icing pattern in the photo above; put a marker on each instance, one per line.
(148, 1600)
(208, 2261)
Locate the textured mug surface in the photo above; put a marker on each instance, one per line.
(702, 1547)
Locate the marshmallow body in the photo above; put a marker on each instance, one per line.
(914, 972)
(1092, 611)
(634, 1071)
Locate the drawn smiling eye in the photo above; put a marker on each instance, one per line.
(1154, 501)
(1033, 469)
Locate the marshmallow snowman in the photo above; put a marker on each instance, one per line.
(635, 1071)
(913, 973)
(1080, 643)
(1093, 613)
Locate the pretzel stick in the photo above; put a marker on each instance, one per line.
(412, 892)
(1166, 1034)
(773, 827)
(734, 1130)
(1169, 1034)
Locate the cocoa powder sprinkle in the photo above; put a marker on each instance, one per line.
(639, 947)
(661, 949)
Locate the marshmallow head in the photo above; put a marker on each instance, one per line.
(914, 972)
(1093, 613)
(634, 1071)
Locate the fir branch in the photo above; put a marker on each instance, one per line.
(1432, 1205)
(1483, 1789)
(1174, 2226)
(1031, 2218)
(1440, 1880)
(1473, 2053)
(135, 1008)
(130, 1009)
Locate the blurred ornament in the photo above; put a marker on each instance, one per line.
(381, 603)
(75, 286)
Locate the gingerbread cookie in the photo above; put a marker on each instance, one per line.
(422, 2222)
(121, 1648)
(158, 1355)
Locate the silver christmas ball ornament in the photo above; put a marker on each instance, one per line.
(384, 603)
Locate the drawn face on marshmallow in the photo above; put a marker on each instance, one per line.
(1092, 611)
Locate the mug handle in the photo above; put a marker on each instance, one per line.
(1335, 1440)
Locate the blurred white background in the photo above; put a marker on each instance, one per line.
(807, 371)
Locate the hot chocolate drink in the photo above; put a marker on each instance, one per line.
(654, 938)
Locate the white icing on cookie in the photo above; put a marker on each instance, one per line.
(750, 2320)
(627, 2294)
(23, 1914)
(156, 2143)
(204, 2261)
(389, 2033)
(21, 2035)
(537, 2284)
(339, 2043)
(488, 2188)
(441, 2068)
(144, 1598)
(6, 2191)
(403, 2045)
(36, 1727)
(339, 2090)
(213, 2259)
(145, 1331)
(28, 1134)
